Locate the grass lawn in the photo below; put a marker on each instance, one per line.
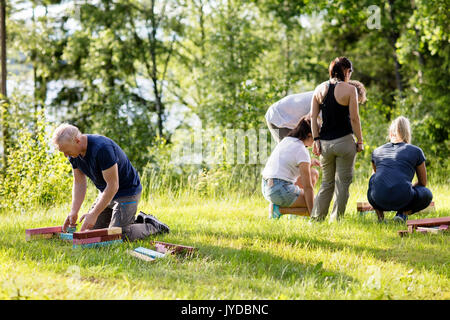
(242, 255)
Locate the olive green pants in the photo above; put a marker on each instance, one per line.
(337, 160)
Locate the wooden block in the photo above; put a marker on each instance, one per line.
(71, 229)
(97, 233)
(172, 247)
(430, 230)
(150, 253)
(163, 249)
(114, 230)
(403, 233)
(410, 229)
(57, 229)
(97, 239)
(87, 240)
(66, 236)
(30, 237)
(364, 206)
(140, 255)
(296, 211)
(443, 227)
(429, 222)
(97, 244)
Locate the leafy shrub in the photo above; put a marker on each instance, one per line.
(34, 175)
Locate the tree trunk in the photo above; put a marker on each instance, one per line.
(4, 109)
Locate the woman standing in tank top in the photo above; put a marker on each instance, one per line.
(335, 143)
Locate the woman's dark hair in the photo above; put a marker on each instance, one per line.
(338, 66)
(302, 129)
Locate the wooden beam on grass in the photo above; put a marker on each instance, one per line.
(97, 233)
(296, 211)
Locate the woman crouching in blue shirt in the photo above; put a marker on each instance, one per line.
(289, 160)
(394, 165)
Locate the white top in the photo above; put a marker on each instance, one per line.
(285, 158)
(287, 112)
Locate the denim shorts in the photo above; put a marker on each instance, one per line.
(282, 193)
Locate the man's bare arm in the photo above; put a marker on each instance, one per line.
(78, 195)
(111, 177)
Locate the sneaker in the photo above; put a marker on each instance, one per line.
(140, 217)
(400, 217)
(148, 218)
(275, 212)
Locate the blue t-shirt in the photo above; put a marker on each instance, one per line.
(390, 186)
(101, 154)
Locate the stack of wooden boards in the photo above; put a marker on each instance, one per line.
(97, 237)
(365, 207)
(429, 225)
(83, 239)
(161, 249)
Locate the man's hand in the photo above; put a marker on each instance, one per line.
(89, 221)
(71, 220)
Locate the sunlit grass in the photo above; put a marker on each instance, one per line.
(242, 255)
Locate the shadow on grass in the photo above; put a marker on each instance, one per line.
(406, 251)
(212, 265)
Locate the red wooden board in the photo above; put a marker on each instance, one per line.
(57, 229)
(90, 233)
(174, 247)
(429, 222)
(97, 239)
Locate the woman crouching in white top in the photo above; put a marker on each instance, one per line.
(289, 160)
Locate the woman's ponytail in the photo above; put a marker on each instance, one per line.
(338, 66)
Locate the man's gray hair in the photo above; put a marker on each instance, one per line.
(65, 133)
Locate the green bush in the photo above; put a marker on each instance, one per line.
(34, 175)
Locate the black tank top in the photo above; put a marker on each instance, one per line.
(336, 117)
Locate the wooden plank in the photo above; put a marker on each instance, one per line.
(114, 230)
(173, 247)
(365, 206)
(443, 227)
(30, 237)
(140, 255)
(66, 236)
(429, 222)
(87, 240)
(97, 239)
(296, 211)
(96, 233)
(57, 229)
(430, 230)
(97, 244)
(150, 253)
(71, 229)
(403, 233)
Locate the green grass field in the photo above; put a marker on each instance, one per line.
(242, 255)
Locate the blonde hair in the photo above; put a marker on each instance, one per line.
(401, 128)
(360, 89)
(65, 133)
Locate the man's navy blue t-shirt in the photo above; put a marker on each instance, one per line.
(390, 186)
(101, 154)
